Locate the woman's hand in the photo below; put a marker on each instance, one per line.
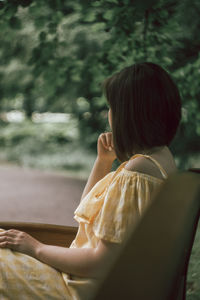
(19, 241)
(105, 147)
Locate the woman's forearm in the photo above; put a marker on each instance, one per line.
(103, 164)
(83, 262)
(79, 262)
(100, 169)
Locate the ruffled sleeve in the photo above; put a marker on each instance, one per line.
(116, 203)
(92, 202)
(125, 201)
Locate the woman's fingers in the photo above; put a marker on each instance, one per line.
(105, 147)
(8, 235)
(10, 232)
(103, 140)
(11, 239)
(107, 141)
(5, 239)
(109, 138)
(18, 241)
(7, 242)
(8, 238)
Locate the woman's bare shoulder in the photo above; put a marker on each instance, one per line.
(143, 164)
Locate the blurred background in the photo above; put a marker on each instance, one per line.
(54, 56)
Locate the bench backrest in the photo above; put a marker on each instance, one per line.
(152, 265)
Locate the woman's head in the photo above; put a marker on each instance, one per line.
(145, 106)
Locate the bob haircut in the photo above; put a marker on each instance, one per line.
(145, 106)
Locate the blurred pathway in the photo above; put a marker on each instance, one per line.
(38, 196)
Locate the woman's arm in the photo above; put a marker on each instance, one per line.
(85, 262)
(103, 164)
(100, 169)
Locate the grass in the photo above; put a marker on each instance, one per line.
(193, 280)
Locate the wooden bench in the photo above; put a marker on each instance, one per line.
(152, 264)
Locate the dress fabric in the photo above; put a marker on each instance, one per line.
(113, 205)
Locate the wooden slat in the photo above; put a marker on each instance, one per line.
(46, 233)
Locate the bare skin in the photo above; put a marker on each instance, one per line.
(146, 166)
(103, 164)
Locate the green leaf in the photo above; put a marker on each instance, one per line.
(42, 36)
(25, 3)
(90, 16)
(10, 10)
(113, 1)
(15, 23)
(108, 15)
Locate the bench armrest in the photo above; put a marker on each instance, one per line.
(46, 233)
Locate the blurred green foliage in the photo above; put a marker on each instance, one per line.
(48, 146)
(54, 56)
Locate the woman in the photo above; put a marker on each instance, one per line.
(144, 114)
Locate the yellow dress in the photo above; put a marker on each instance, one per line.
(113, 205)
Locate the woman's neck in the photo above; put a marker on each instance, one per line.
(152, 151)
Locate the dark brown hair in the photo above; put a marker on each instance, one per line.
(146, 108)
